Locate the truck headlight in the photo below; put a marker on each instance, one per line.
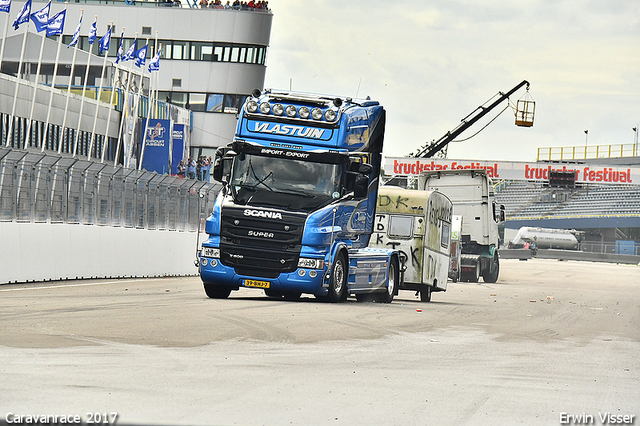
(305, 262)
(291, 111)
(304, 112)
(210, 252)
(330, 115)
(265, 107)
(278, 109)
(252, 106)
(316, 113)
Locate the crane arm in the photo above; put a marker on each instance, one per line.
(467, 122)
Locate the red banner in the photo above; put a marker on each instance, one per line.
(585, 173)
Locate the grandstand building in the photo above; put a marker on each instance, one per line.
(211, 59)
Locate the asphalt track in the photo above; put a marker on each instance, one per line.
(548, 341)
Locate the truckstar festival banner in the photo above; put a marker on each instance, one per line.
(585, 173)
(156, 152)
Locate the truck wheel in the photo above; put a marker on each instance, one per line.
(392, 283)
(338, 281)
(492, 276)
(425, 294)
(217, 291)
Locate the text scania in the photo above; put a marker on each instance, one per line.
(263, 213)
(288, 130)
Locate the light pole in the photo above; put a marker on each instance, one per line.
(635, 141)
(586, 137)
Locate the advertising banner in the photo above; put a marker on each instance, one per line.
(585, 173)
(178, 147)
(157, 147)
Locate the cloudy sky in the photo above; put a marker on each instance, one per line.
(432, 63)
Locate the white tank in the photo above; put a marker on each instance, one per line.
(545, 238)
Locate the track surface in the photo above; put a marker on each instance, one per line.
(549, 340)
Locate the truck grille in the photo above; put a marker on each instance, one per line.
(259, 245)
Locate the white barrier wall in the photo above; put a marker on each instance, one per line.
(45, 251)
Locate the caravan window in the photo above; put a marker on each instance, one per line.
(400, 226)
(446, 233)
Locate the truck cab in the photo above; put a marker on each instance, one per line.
(296, 211)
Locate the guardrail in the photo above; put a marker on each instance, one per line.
(588, 152)
(41, 187)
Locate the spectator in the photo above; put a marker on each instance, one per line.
(191, 168)
(203, 4)
(181, 168)
(199, 168)
(236, 4)
(228, 5)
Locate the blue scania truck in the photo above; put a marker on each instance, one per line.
(297, 208)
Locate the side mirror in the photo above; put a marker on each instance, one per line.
(222, 164)
(365, 169)
(361, 187)
(503, 215)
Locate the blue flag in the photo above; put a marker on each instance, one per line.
(23, 15)
(5, 5)
(154, 64)
(141, 56)
(120, 48)
(55, 26)
(41, 18)
(93, 32)
(76, 35)
(131, 53)
(104, 42)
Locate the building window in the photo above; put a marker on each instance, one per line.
(180, 50)
(176, 82)
(146, 30)
(197, 101)
(214, 102)
(201, 51)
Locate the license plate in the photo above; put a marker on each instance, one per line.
(254, 283)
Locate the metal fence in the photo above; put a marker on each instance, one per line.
(41, 187)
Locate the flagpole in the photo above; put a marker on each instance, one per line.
(15, 95)
(146, 124)
(95, 117)
(35, 87)
(45, 133)
(84, 91)
(113, 89)
(66, 106)
(135, 110)
(123, 129)
(35, 91)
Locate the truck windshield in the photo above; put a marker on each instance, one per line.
(286, 183)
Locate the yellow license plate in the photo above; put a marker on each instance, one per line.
(254, 283)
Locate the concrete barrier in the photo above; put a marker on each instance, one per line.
(45, 251)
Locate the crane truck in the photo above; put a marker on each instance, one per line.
(297, 207)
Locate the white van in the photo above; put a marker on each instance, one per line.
(418, 225)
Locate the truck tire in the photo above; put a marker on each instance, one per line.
(338, 280)
(215, 291)
(491, 275)
(392, 282)
(425, 293)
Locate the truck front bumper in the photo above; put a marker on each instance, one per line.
(301, 280)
